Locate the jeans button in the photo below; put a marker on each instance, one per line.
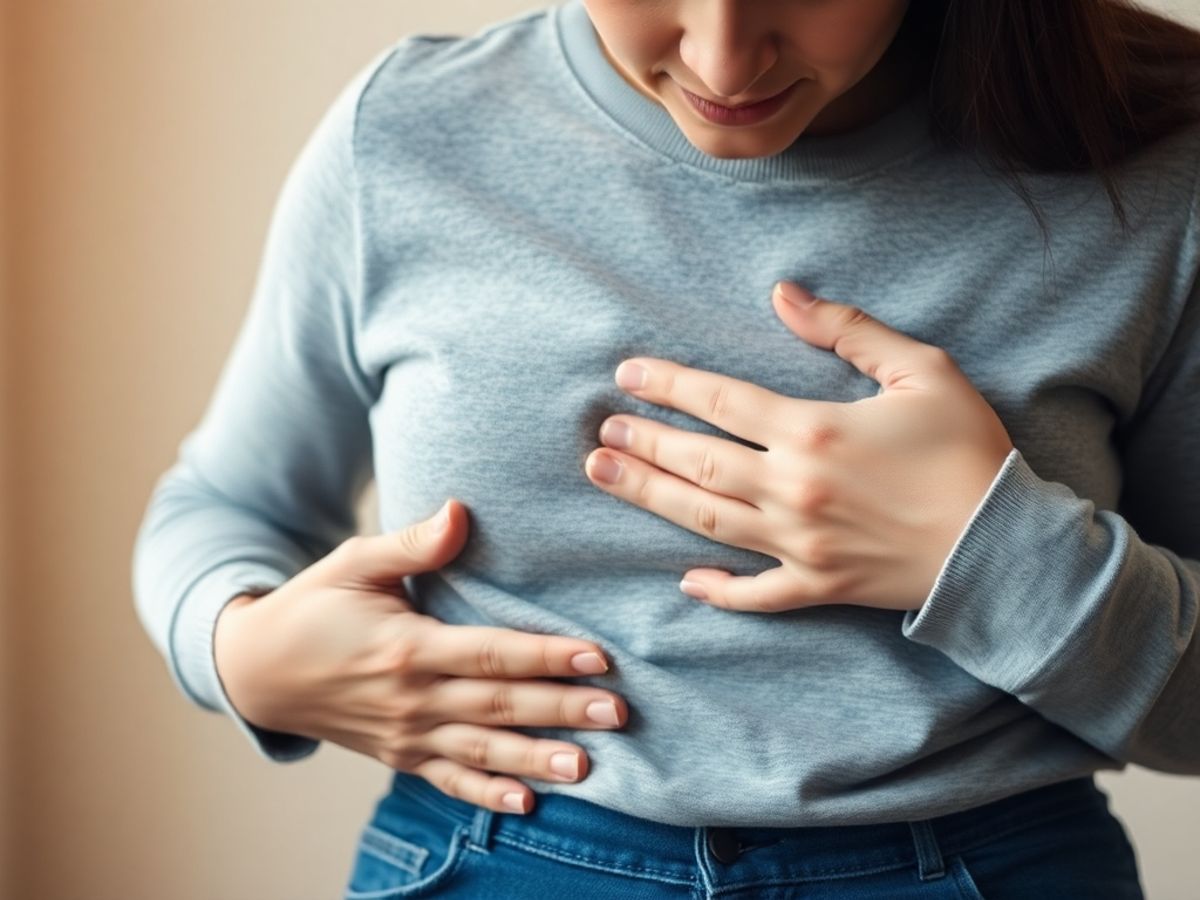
(724, 845)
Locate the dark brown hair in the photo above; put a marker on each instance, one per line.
(1054, 85)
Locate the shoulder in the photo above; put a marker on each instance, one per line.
(421, 89)
(1171, 161)
(428, 79)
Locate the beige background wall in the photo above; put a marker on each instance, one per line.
(142, 151)
(6, 518)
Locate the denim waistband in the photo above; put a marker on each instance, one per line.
(573, 829)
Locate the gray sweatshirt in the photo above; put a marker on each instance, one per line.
(481, 228)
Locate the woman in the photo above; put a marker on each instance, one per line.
(941, 523)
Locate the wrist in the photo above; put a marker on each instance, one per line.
(228, 631)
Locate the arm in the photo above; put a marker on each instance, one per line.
(1100, 635)
(268, 481)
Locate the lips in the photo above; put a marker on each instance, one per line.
(739, 105)
(744, 114)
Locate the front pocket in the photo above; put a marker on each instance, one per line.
(405, 849)
(392, 850)
(384, 866)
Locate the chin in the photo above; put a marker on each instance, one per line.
(744, 147)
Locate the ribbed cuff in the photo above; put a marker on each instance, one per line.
(1007, 595)
(193, 665)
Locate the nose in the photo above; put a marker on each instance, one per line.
(728, 50)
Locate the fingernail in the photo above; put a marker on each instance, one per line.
(616, 433)
(602, 712)
(442, 519)
(693, 589)
(589, 663)
(631, 376)
(564, 764)
(795, 295)
(605, 468)
(514, 801)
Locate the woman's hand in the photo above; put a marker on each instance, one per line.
(338, 653)
(861, 502)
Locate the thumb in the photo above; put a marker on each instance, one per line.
(421, 547)
(890, 357)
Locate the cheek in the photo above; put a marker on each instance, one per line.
(850, 37)
(628, 33)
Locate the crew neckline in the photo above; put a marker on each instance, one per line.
(898, 134)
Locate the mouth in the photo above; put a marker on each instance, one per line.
(742, 114)
(740, 105)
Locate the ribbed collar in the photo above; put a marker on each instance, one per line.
(901, 132)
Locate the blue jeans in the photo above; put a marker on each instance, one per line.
(1059, 841)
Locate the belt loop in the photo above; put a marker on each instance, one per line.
(481, 828)
(929, 855)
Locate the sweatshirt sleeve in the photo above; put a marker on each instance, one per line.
(1090, 616)
(268, 481)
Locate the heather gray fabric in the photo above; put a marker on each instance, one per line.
(482, 227)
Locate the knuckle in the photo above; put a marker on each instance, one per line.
(816, 437)
(706, 518)
(352, 547)
(406, 707)
(452, 783)
(502, 707)
(854, 316)
(808, 495)
(396, 741)
(400, 653)
(404, 758)
(815, 551)
(718, 402)
(706, 469)
(491, 660)
(939, 358)
(478, 752)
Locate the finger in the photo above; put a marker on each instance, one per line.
(491, 652)
(506, 702)
(724, 519)
(384, 560)
(741, 408)
(894, 359)
(456, 780)
(775, 590)
(498, 750)
(715, 464)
